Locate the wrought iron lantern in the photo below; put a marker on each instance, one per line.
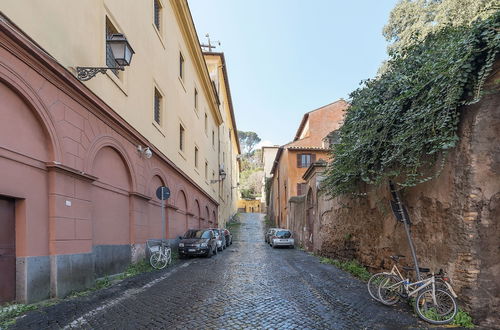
(222, 176)
(121, 51)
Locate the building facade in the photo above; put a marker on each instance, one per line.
(77, 194)
(229, 144)
(268, 155)
(293, 159)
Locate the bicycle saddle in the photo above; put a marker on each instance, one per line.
(422, 270)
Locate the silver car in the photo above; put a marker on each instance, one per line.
(269, 233)
(221, 239)
(282, 237)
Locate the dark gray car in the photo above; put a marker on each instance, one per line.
(198, 242)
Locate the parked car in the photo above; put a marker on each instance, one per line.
(268, 234)
(221, 239)
(282, 237)
(228, 236)
(197, 242)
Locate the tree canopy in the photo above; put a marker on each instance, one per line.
(399, 124)
(248, 140)
(411, 21)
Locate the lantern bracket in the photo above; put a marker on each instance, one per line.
(87, 73)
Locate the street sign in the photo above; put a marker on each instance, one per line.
(162, 193)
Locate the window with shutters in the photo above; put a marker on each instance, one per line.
(301, 189)
(110, 59)
(305, 160)
(206, 170)
(157, 107)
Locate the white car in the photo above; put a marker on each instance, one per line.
(282, 237)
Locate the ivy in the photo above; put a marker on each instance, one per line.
(401, 123)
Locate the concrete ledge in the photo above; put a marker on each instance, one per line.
(71, 272)
(32, 279)
(111, 259)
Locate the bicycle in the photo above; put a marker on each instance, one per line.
(432, 304)
(442, 281)
(161, 253)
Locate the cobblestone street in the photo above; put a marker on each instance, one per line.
(249, 285)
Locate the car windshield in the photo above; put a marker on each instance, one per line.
(216, 231)
(283, 234)
(197, 234)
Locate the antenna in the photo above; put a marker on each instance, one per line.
(209, 45)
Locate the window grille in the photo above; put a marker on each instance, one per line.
(157, 107)
(110, 59)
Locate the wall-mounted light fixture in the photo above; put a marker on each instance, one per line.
(145, 151)
(122, 53)
(222, 176)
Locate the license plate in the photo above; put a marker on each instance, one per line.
(283, 240)
(191, 250)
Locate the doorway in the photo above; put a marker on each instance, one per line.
(7, 250)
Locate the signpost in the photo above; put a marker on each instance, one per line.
(163, 193)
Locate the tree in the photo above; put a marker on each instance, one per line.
(248, 140)
(410, 21)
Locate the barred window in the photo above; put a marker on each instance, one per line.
(157, 13)
(181, 138)
(110, 59)
(181, 66)
(196, 157)
(157, 107)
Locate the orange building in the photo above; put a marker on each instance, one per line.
(294, 158)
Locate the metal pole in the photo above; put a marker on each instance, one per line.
(408, 233)
(163, 215)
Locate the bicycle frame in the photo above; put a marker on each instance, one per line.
(412, 288)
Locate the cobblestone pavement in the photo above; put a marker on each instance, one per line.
(247, 286)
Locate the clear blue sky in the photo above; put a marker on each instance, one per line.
(287, 57)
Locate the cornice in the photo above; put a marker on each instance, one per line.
(188, 30)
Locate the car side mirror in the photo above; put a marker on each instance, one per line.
(180, 237)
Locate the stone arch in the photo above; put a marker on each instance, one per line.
(180, 224)
(111, 217)
(109, 141)
(152, 186)
(207, 217)
(155, 220)
(197, 212)
(31, 99)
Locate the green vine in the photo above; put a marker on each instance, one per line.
(400, 124)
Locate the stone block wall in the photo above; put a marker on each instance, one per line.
(456, 217)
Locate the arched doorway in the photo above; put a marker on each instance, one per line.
(25, 146)
(111, 214)
(309, 239)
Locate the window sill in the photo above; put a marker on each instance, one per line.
(118, 82)
(158, 33)
(159, 128)
(182, 84)
(183, 155)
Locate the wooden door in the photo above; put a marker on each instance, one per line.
(7, 250)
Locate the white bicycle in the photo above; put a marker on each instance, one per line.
(161, 253)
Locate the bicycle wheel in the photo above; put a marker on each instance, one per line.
(374, 283)
(390, 289)
(441, 312)
(168, 256)
(158, 260)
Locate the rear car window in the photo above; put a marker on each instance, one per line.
(283, 234)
